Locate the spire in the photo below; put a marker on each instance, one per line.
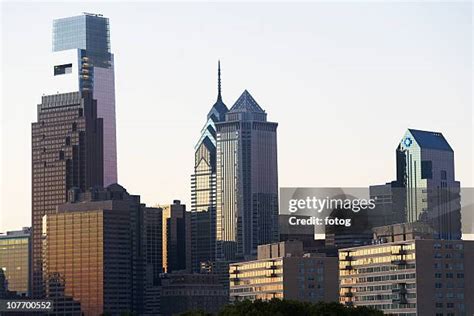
(219, 97)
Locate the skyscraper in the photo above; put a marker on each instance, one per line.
(247, 180)
(176, 237)
(203, 185)
(432, 193)
(425, 189)
(82, 62)
(66, 153)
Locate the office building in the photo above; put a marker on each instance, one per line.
(425, 189)
(247, 180)
(414, 277)
(15, 260)
(284, 271)
(185, 292)
(176, 237)
(94, 243)
(66, 153)
(203, 186)
(82, 61)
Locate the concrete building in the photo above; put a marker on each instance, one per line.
(284, 271)
(414, 277)
(247, 180)
(66, 153)
(82, 61)
(185, 292)
(15, 260)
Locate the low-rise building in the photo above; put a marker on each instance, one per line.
(282, 270)
(415, 277)
(181, 292)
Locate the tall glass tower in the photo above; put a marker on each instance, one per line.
(82, 61)
(432, 194)
(247, 180)
(203, 185)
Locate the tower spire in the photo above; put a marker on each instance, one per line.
(219, 97)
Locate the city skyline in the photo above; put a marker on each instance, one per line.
(148, 127)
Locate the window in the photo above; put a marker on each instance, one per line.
(426, 169)
(443, 175)
(450, 305)
(439, 305)
(62, 69)
(449, 275)
(438, 285)
(438, 275)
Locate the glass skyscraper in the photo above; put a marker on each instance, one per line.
(247, 180)
(82, 61)
(203, 186)
(432, 193)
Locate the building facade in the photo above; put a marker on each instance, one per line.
(185, 292)
(94, 244)
(247, 180)
(416, 277)
(15, 260)
(176, 237)
(66, 153)
(82, 61)
(204, 187)
(432, 193)
(284, 271)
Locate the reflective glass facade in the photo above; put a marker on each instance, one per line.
(247, 180)
(15, 251)
(66, 153)
(89, 32)
(204, 188)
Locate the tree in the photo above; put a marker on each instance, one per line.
(277, 307)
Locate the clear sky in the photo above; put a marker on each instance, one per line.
(344, 81)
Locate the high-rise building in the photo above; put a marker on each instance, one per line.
(82, 61)
(414, 277)
(176, 237)
(284, 271)
(247, 180)
(203, 186)
(432, 193)
(15, 260)
(99, 244)
(66, 153)
(425, 189)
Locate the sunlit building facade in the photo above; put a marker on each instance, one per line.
(15, 253)
(66, 153)
(204, 187)
(284, 271)
(82, 61)
(417, 277)
(247, 180)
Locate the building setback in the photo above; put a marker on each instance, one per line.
(66, 153)
(204, 188)
(247, 180)
(82, 61)
(15, 260)
(284, 271)
(415, 277)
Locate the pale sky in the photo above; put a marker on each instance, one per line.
(344, 81)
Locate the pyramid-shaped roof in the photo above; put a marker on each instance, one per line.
(246, 103)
